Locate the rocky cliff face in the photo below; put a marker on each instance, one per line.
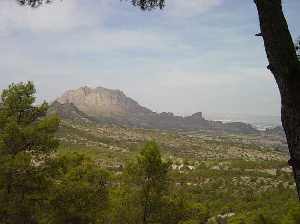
(114, 107)
(102, 102)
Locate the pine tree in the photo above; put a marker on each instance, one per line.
(148, 175)
(27, 138)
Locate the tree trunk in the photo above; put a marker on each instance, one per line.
(285, 67)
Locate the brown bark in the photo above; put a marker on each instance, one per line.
(285, 67)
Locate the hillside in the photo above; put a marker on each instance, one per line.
(106, 106)
(226, 173)
(229, 168)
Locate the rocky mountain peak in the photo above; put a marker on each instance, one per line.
(101, 101)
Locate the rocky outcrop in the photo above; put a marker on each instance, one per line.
(102, 102)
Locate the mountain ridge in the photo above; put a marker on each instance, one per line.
(107, 106)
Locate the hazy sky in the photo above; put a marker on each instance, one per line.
(196, 55)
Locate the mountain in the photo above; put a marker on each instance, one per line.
(106, 106)
(102, 102)
(69, 111)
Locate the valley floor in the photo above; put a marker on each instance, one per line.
(235, 176)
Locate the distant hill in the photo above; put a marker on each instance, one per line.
(106, 106)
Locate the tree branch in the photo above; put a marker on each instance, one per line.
(33, 3)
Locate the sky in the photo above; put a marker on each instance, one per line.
(195, 55)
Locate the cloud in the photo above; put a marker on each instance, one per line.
(153, 56)
(190, 8)
(60, 16)
(107, 42)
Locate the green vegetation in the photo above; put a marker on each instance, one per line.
(34, 186)
(26, 141)
(120, 176)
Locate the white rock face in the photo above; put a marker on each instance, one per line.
(102, 102)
